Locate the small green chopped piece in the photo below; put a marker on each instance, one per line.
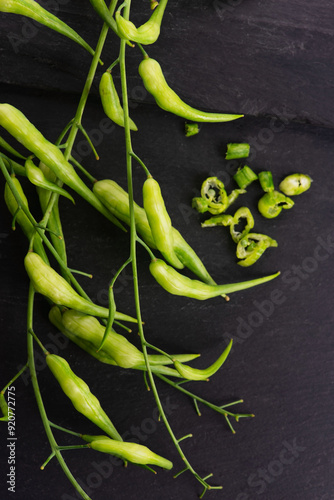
(266, 181)
(237, 150)
(244, 177)
(191, 129)
(252, 246)
(218, 220)
(271, 204)
(234, 195)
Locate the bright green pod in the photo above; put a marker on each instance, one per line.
(271, 204)
(49, 283)
(295, 184)
(148, 32)
(111, 103)
(16, 123)
(155, 83)
(237, 150)
(21, 218)
(37, 177)
(177, 284)
(101, 8)
(87, 333)
(130, 452)
(191, 373)
(80, 395)
(117, 201)
(33, 10)
(159, 221)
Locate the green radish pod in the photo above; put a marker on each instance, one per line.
(159, 221)
(177, 284)
(111, 103)
(33, 10)
(16, 123)
(155, 83)
(80, 395)
(49, 283)
(148, 32)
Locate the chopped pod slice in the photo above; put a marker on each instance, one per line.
(271, 204)
(244, 177)
(237, 150)
(295, 184)
(266, 181)
(252, 246)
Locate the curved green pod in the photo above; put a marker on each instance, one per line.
(148, 32)
(87, 332)
(111, 103)
(49, 283)
(37, 177)
(155, 83)
(159, 221)
(190, 373)
(33, 10)
(80, 395)
(132, 452)
(177, 284)
(18, 125)
(117, 201)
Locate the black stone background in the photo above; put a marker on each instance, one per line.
(272, 61)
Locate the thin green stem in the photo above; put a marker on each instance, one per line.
(219, 409)
(147, 248)
(88, 139)
(31, 332)
(112, 65)
(151, 346)
(141, 163)
(133, 241)
(64, 430)
(39, 400)
(83, 170)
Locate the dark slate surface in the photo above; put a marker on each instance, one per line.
(263, 57)
(282, 361)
